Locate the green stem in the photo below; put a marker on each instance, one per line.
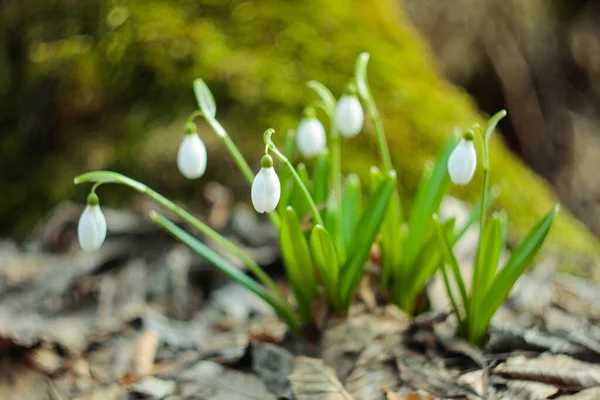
(237, 156)
(103, 177)
(313, 207)
(223, 265)
(384, 150)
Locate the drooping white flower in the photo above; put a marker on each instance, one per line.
(349, 116)
(191, 156)
(91, 229)
(310, 136)
(463, 161)
(266, 188)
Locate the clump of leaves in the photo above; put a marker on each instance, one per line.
(491, 283)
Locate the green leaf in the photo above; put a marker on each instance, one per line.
(493, 243)
(298, 263)
(486, 262)
(351, 206)
(204, 98)
(285, 177)
(297, 200)
(376, 177)
(518, 262)
(332, 224)
(450, 259)
(360, 72)
(391, 236)
(324, 94)
(430, 192)
(321, 179)
(428, 262)
(224, 266)
(490, 199)
(326, 262)
(363, 237)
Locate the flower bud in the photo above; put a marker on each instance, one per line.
(310, 136)
(91, 229)
(266, 188)
(191, 157)
(349, 116)
(463, 161)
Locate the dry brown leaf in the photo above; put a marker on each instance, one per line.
(420, 372)
(562, 371)
(374, 369)
(144, 353)
(208, 380)
(529, 390)
(311, 379)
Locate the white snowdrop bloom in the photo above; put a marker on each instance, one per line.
(91, 229)
(310, 137)
(349, 116)
(191, 157)
(463, 161)
(266, 188)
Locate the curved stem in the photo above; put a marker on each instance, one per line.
(237, 156)
(384, 151)
(103, 177)
(313, 207)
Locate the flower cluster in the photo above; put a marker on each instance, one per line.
(328, 226)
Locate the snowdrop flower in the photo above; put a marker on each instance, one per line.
(310, 136)
(191, 157)
(91, 229)
(349, 116)
(463, 160)
(266, 188)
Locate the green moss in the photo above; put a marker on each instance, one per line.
(133, 65)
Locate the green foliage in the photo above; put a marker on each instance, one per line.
(489, 286)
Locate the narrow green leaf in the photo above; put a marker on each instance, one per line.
(360, 73)
(363, 237)
(391, 242)
(430, 192)
(298, 263)
(224, 266)
(494, 243)
(321, 179)
(376, 177)
(486, 262)
(428, 262)
(333, 225)
(326, 262)
(351, 206)
(297, 200)
(490, 199)
(518, 262)
(285, 177)
(450, 259)
(324, 94)
(204, 98)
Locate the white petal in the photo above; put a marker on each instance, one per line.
(266, 190)
(310, 137)
(191, 157)
(91, 229)
(349, 116)
(462, 162)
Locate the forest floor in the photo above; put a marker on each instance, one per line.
(145, 318)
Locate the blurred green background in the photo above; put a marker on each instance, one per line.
(103, 84)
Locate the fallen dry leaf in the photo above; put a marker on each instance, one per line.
(559, 370)
(210, 381)
(311, 379)
(144, 353)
